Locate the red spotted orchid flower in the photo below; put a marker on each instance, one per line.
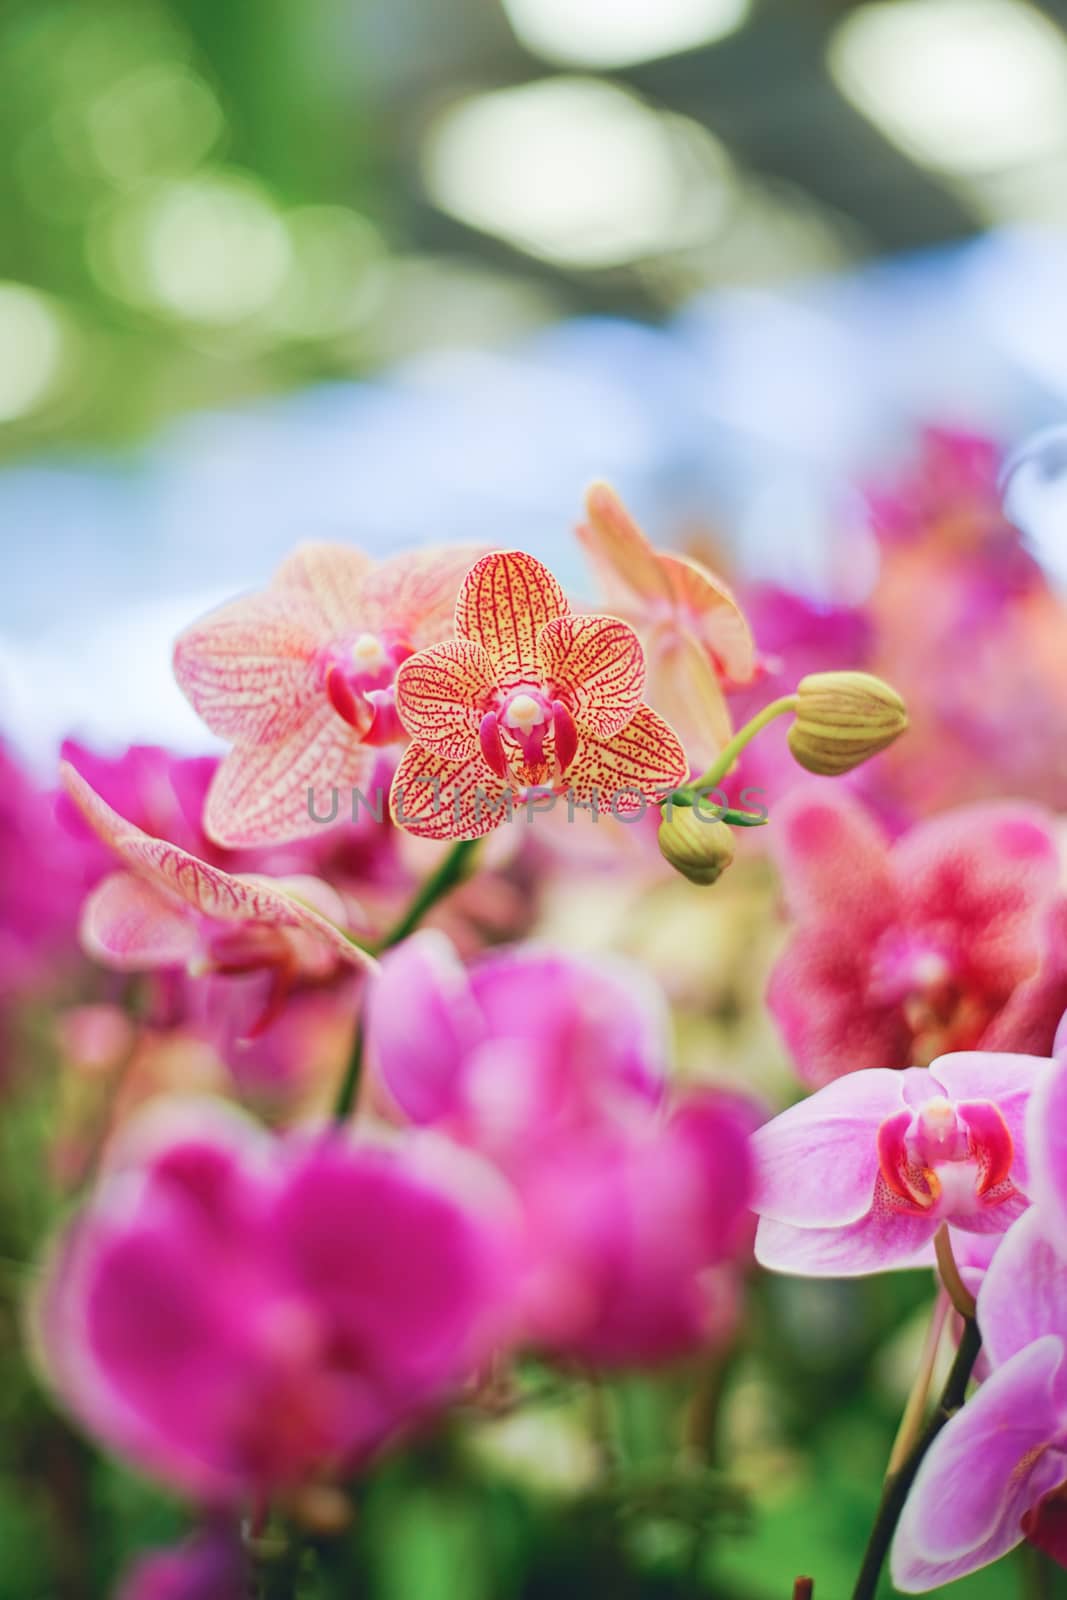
(696, 638)
(168, 909)
(528, 699)
(301, 679)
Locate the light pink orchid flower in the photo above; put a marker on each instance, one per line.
(696, 638)
(997, 1473)
(859, 1177)
(300, 678)
(527, 699)
(168, 909)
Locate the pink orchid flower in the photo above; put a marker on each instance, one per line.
(859, 1177)
(997, 1473)
(696, 638)
(301, 679)
(903, 951)
(528, 699)
(554, 1066)
(234, 1312)
(168, 909)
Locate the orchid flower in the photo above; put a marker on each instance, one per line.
(696, 639)
(901, 952)
(997, 1473)
(860, 1177)
(234, 1312)
(528, 699)
(300, 678)
(168, 909)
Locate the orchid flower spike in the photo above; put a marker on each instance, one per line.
(528, 699)
(697, 640)
(169, 909)
(860, 1177)
(301, 679)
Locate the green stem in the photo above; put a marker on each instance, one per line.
(897, 1485)
(744, 736)
(447, 876)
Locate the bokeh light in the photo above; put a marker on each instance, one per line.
(617, 33)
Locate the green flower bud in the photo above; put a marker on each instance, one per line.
(842, 719)
(696, 845)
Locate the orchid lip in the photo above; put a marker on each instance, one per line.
(922, 1156)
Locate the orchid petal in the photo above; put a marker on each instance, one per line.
(291, 790)
(416, 592)
(684, 687)
(709, 606)
(1046, 1142)
(421, 1025)
(1024, 1291)
(506, 599)
(598, 664)
(248, 669)
(885, 1240)
(834, 861)
(623, 774)
(817, 1163)
(987, 1468)
(1007, 1080)
(331, 579)
(437, 798)
(819, 997)
(626, 564)
(127, 924)
(441, 696)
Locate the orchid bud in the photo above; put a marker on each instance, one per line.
(698, 846)
(842, 719)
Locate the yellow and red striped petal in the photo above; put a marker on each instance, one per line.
(330, 577)
(436, 798)
(709, 607)
(248, 668)
(416, 592)
(506, 599)
(598, 664)
(685, 688)
(625, 562)
(441, 696)
(270, 794)
(129, 925)
(627, 773)
(181, 877)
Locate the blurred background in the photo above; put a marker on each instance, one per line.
(392, 271)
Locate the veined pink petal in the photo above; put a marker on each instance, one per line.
(248, 668)
(1046, 1141)
(441, 695)
(628, 567)
(1024, 1292)
(624, 774)
(817, 1163)
(684, 687)
(984, 1471)
(506, 599)
(259, 796)
(599, 663)
(128, 924)
(884, 1240)
(437, 798)
(708, 605)
(416, 592)
(834, 861)
(331, 578)
(819, 997)
(208, 890)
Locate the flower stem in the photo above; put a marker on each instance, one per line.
(450, 873)
(744, 736)
(897, 1485)
(955, 1288)
(911, 1421)
(804, 1589)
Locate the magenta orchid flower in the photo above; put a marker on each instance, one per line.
(167, 909)
(554, 1066)
(859, 1177)
(527, 699)
(233, 1312)
(301, 679)
(997, 1473)
(901, 952)
(209, 1566)
(697, 640)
